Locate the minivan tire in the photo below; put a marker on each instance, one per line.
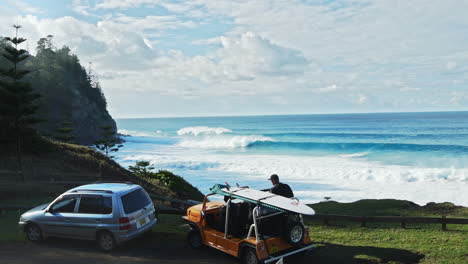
(33, 233)
(105, 240)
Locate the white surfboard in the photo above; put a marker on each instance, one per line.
(265, 198)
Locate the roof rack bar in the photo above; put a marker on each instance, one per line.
(126, 182)
(91, 190)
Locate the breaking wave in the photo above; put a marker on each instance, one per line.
(134, 133)
(202, 130)
(220, 142)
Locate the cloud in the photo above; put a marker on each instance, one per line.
(23, 7)
(243, 58)
(341, 55)
(123, 4)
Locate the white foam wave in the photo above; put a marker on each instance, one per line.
(220, 142)
(346, 179)
(199, 130)
(135, 133)
(355, 155)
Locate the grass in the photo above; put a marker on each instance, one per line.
(56, 161)
(340, 242)
(347, 242)
(353, 244)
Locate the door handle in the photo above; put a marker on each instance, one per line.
(67, 219)
(98, 220)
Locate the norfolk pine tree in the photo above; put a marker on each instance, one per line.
(17, 98)
(64, 133)
(109, 142)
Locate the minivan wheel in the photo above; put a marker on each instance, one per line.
(33, 232)
(249, 256)
(194, 239)
(105, 240)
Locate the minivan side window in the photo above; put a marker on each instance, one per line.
(95, 204)
(65, 205)
(135, 200)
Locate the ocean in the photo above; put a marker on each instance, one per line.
(421, 157)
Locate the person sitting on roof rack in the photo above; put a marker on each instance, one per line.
(279, 188)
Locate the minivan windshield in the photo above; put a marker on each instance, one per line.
(135, 200)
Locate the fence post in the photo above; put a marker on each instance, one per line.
(444, 224)
(363, 222)
(325, 220)
(403, 224)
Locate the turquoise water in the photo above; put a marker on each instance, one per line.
(315, 153)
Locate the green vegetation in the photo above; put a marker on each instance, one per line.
(64, 132)
(347, 242)
(18, 104)
(109, 142)
(389, 207)
(174, 182)
(68, 91)
(336, 244)
(69, 162)
(353, 244)
(142, 169)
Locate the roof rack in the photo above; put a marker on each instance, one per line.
(124, 182)
(91, 190)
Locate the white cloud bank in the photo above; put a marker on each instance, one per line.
(276, 57)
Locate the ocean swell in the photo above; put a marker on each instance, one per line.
(358, 146)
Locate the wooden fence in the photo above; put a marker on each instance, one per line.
(403, 220)
(324, 217)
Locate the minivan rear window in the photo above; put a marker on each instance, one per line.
(95, 204)
(135, 200)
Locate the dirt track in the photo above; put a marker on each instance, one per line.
(142, 250)
(61, 251)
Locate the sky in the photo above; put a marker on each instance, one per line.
(159, 58)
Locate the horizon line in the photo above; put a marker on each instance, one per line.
(251, 115)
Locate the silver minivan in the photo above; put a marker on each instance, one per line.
(109, 213)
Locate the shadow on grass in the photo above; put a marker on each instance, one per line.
(337, 254)
(170, 248)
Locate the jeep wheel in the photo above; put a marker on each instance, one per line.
(194, 239)
(33, 233)
(105, 241)
(295, 233)
(249, 256)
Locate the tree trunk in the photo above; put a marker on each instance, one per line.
(19, 159)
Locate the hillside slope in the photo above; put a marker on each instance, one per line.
(50, 161)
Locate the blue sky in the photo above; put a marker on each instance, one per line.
(225, 57)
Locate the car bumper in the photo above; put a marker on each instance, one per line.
(276, 258)
(122, 237)
(21, 225)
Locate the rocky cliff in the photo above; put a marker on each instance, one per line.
(70, 94)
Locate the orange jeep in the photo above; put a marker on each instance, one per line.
(256, 226)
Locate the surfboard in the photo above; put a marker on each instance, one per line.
(264, 198)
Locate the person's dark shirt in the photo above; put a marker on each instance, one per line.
(282, 189)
